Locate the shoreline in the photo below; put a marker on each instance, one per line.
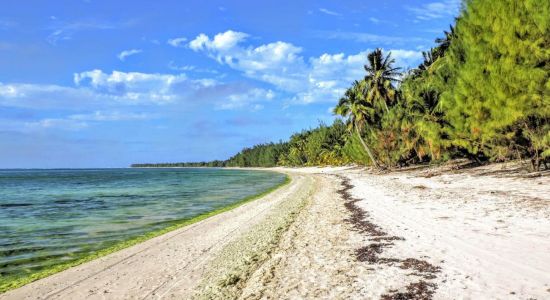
(22, 281)
(428, 233)
(344, 232)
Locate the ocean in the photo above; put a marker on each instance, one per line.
(51, 217)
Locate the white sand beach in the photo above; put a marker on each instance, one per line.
(344, 233)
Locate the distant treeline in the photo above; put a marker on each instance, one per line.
(483, 92)
(214, 163)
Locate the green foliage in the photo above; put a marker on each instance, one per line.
(320, 146)
(483, 92)
(420, 118)
(360, 111)
(263, 155)
(380, 79)
(353, 151)
(498, 102)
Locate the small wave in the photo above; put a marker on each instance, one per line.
(7, 205)
(63, 201)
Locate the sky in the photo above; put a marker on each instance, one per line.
(108, 83)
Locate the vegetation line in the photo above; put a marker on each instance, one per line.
(13, 282)
(482, 93)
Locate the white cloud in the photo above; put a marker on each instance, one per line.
(96, 88)
(291, 77)
(9, 91)
(134, 86)
(103, 92)
(330, 75)
(435, 10)
(220, 42)
(177, 42)
(280, 64)
(249, 99)
(45, 96)
(98, 79)
(329, 12)
(122, 55)
(406, 58)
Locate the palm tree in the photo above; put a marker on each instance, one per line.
(445, 42)
(359, 112)
(429, 58)
(380, 78)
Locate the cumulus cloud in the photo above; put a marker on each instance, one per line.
(110, 96)
(136, 86)
(220, 42)
(278, 63)
(406, 58)
(281, 64)
(99, 96)
(177, 42)
(124, 54)
(330, 75)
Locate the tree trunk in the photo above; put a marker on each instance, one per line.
(366, 147)
(386, 105)
(535, 162)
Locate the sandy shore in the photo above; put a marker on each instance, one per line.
(165, 266)
(343, 233)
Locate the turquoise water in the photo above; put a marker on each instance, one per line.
(48, 217)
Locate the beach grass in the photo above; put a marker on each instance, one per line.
(15, 281)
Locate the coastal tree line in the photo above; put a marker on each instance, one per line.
(483, 93)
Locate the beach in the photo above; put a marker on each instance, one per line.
(344, 233)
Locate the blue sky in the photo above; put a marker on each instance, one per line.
(109, 83)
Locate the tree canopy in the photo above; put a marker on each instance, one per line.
(482, 92)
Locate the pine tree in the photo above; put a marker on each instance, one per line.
(498, 101)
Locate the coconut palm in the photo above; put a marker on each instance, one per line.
(380, 78)
(358, 112)
(445, 42)
(429, 58)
